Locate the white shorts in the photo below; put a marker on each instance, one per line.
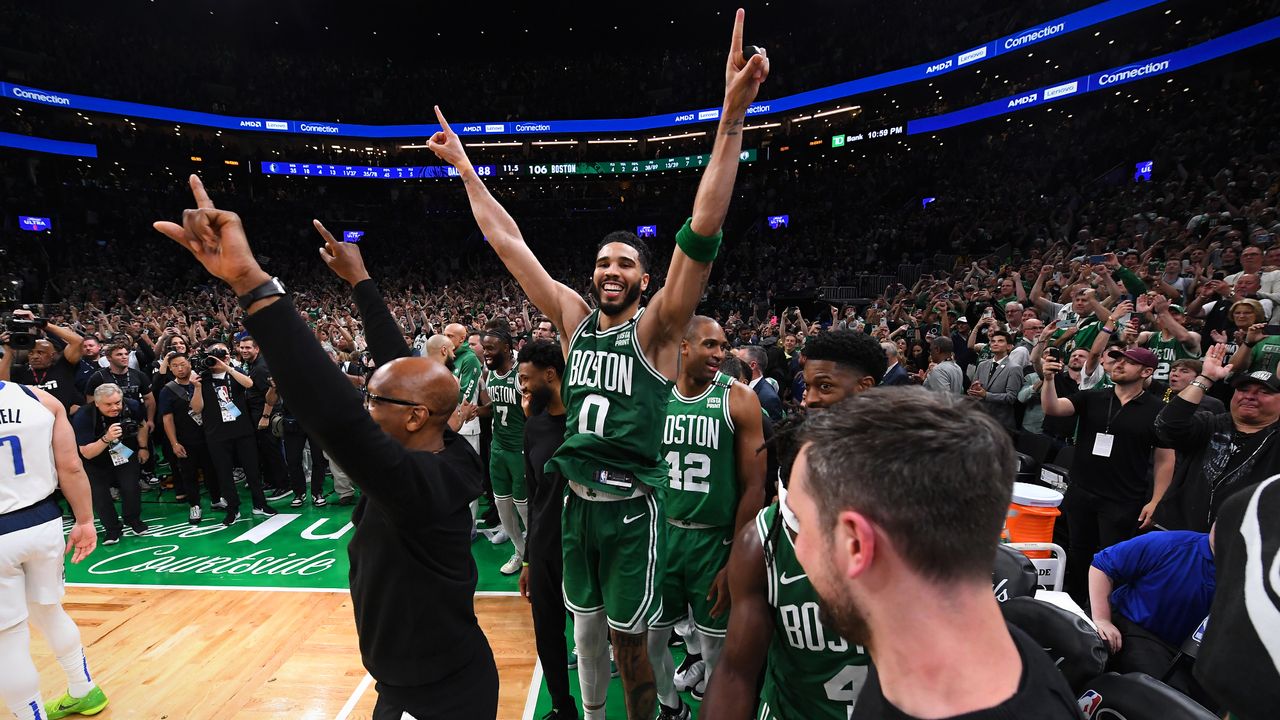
(31, 570)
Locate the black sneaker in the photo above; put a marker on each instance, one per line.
(699, 690)
(319, 501)
(264, 511)
(231, 518)
(139, 528)
(112, 537)
(278, 493)
(677, 713)
(298, 501)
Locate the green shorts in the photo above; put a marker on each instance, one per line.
(506, 474)
(614, 553)
(694, 558)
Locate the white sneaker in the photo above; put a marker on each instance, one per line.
(688, 676)
(512, 566)
(498, 537)
(195, 515)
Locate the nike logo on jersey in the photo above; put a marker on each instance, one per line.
(633, 518)
(788, 580)
(727, 542)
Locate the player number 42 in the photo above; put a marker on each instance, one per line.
(693, 476)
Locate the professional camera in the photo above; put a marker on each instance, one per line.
(209, 358)
(128, 427)
(23, 332)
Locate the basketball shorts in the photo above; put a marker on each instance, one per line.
(506, 474)
(31, 570)
(694, 558)
(614, 555)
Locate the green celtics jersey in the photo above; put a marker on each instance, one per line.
(467, 369)
(1166, 351)
(616, 400)
(811, 672)
(698, 444)
(1266, 355)
(508, 416)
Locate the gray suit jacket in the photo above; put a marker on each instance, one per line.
(1002, 382)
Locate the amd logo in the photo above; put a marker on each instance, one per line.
(1024, 100)
(685, 117)
(937, 67)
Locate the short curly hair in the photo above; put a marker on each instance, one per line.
(857, 351)
(543, 354)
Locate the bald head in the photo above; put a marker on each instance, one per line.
(439, 347)
(420, 380)
(42, 355)
(698, 327)
(457, 333)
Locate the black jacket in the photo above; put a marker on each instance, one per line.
(1203, 443)
(412, 575)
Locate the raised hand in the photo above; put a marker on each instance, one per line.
(447, 145)
(1125, 308)
(344, 259)
(216, 238)
(742, 77)
(1145, 302)
(1215, 363)
(1255, 334)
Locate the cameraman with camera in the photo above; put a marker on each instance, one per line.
(229, 427)
(46, 368)
(112, 435)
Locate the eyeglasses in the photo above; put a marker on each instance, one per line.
(370, 398)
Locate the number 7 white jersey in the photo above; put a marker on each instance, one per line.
(27, 473)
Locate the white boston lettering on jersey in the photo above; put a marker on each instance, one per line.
(601, 369)
(804, 629)
(698, 430)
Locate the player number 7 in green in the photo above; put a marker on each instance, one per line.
(502, 410)
(697, 467)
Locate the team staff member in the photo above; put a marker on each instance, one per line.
(712, 437)
(1110, 498)
(38, 456)
(411, 550)
(621, 359)
(47, 368)
(540, 372)
(113, 457)
(811, 673)
(181, 404)
(909, 575)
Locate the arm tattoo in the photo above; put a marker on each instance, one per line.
(733, 127)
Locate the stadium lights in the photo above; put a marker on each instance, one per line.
(555, 142)
(678, 137)
(612, 142)
(837, 110)
(762, 126)
(802, 118)
(477, 144)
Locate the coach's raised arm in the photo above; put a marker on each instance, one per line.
(411, 549)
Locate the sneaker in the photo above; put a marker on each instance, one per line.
(139, 528)
(677, 713)
(237, 476)
(676, 640)
(278, 493)
(195, 515)
(90, 704)
(573, 660)
(220, 505)
(499, 537)
(700, 690)
(297, 501)
(512, 566)
(150, 479)
(231, 518)
(319, 501)
(112, 537)
(554, 714)
(144, 486)
(690, 673)
(264, 511)
(347, 500)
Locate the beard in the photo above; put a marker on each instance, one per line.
(539, 399)
(843, 615)
(628, 298)
(448, 364)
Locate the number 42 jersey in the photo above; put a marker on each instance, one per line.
(811, 673)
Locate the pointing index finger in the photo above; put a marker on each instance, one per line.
(329, 240)
(443, 123)
(202, 197)
(735, 48)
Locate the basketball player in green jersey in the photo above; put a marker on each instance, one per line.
(506, 452)
(712, 439)
(1172, 341)
(621, 359)
(811, 673)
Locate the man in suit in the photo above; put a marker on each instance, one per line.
(896, 374)
(998, 381)
(755, 358)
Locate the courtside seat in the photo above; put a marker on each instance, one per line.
(1076, 648)
(1137, 696)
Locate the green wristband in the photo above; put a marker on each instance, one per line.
(700, 248)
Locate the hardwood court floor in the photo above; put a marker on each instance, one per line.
(238, 655)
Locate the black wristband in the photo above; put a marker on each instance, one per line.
(270, 288)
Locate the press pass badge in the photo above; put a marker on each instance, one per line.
(120, 455)
(1102, 444)
(229, 410)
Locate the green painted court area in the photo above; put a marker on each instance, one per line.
(299, 549)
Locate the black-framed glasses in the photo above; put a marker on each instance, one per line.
(372, 398)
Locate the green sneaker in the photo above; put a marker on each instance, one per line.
(90, 704)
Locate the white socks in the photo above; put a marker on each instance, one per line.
(511, 522)
(19, 682)
(591, 640)
(664, 667)
(711, 649)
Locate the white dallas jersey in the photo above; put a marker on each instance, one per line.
(27, 473)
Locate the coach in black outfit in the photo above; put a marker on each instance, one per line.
(412, 576)
(541, 367)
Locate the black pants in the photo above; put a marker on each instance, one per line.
(187, 470)
(470, 693)
(274, 474)
(546, 577)
(1140, 651)
(100, 481)
(228, 454)
(294, 443)
(1094, 523)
